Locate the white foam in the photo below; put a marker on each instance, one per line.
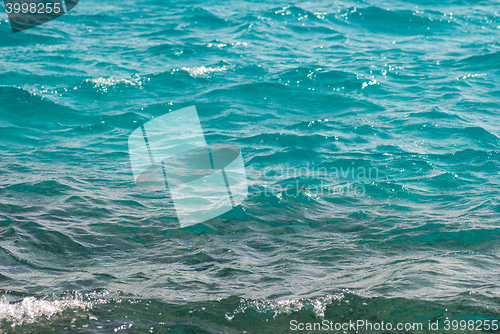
(104, 83)
(369, 83)
(202, 70)
(316, 305)
(30, 309)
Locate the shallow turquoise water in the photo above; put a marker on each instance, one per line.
(370, 133)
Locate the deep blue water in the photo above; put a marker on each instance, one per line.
(370, 132)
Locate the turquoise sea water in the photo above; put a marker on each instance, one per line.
(370, 132)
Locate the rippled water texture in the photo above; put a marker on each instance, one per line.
(370, 133)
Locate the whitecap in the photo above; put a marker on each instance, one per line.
(286, 306)
(202, 70)
(30, 309)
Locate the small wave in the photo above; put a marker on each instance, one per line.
(103, 84)
(286, 306)
(291, 12)
(201, 17)
(30, 309)
(487, 62)
(203, 71)
(471, 75)
(369, 83)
